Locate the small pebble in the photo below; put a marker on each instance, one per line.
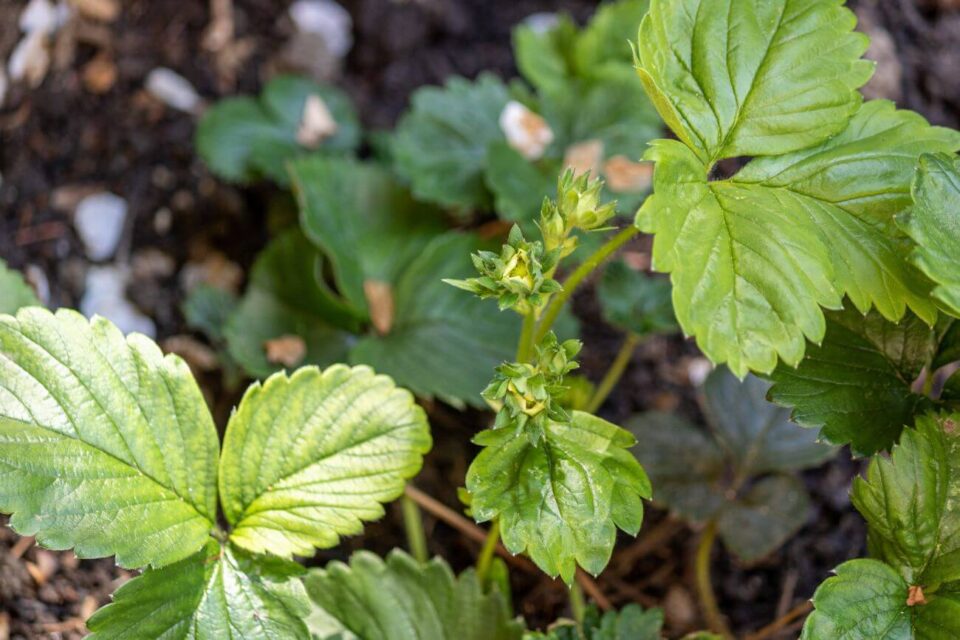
(43, 16)
(99, 221)
(327, 19)
(173, 90)
(105, 296)
(30, 59)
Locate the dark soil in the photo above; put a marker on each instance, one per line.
(61, 139)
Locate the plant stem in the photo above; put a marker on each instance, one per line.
(525, 346)
(708, 600)
(485, 559)
(586, 268)
(614, 373)
(577, 604)
(413, 524)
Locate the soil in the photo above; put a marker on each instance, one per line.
(62, 139)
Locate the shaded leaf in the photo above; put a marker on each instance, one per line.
(106, 445)
(246, 138)
(518, 185)
(401, 599)
(14, 292)
(216, 593)
(441, 144)
(208, 308)
(764, 517)
(358, 437)
(562, 499)
(636, 302)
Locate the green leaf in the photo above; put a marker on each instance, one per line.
(939, 619)
(208, 308)
(630, 623)
(243, 139)
(752, 78)
(749, 266)
(561, 500)
(909, 503)
(442, 342)
(546, 58)
(606, 39)
(401, 599)
(285, 298)
(106, 446)
(685, 464)
(757, 435)
(358, 439)
(216, 593)
(362, 219)
(518, 185)
(14, 292)
(635, 302)
(857, 384)
(934, 224)
(764, 517)
(866, 600)
(441, 144)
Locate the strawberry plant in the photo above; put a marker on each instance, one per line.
(14, 292)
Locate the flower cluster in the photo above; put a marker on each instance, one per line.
(531, 393)
(519, 277)
(577, 207)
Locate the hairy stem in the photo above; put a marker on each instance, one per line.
(586, 268)
(525, 346)
(708, 600)
(485, 559)
(413, 524)
(614, 373)
(578, 605)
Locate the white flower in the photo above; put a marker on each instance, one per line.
(526, 131)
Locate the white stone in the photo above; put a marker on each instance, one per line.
(526, 131)
(99, 221)
(105, 296)
(172, 89)
(43, 16)
(697, 371)
(541, 22)
(30, 59)
(327, 19)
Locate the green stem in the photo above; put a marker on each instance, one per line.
(525, 346)
(586, 268)
(577, 603)
(708, 601)
(413, 524)
(614, 373)
(485, 559)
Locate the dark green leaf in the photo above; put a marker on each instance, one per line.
(401, 599)
(14, 292)
(636, 302)
(243, 139)
(207, 309)
(362, 219)
(518, 185)
(764, 517)
(441, 143)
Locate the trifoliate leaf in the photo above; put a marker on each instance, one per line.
(106, 446)
(752, 78)
(562, 499)
(764, 517)
(437, 329)
(441, 144)
(856, 386)
(757, 435)
(246, 138)
(910, 502)
(866, 600)
(208, 308)
(749, 266)
(636, 302)
(362, 219)
(286, 298)
(685, 464)
(934, 224)
(358, 439)
(14, 292)
(401, 599)
(217, 593)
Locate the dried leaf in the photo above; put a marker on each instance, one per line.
(526, 131)
(380, 299)
(626, 176)
(584, 157)
(288, 350)
(317, 123)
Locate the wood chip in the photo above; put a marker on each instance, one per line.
(380, 299)
(35, 573)
(100, 74)
(88, 607)
(288, 350)
(21, 547)
(4, 625)
(199, 356)
(100, 10)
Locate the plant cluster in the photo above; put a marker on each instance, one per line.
(828, 263)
